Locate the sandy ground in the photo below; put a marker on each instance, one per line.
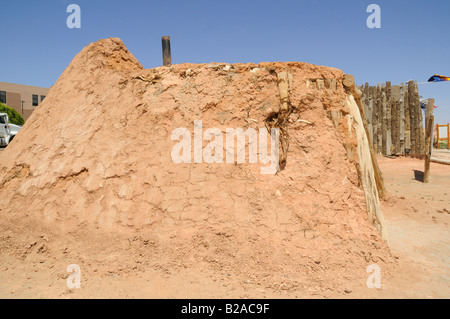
(417, 216)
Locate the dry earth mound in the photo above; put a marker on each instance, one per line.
(90, 179)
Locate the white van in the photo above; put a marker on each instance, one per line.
(7, 131)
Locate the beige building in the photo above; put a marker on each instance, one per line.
(23, 98)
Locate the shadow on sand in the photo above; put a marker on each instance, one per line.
(419, 175)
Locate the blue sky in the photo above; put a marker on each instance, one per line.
(413, 42)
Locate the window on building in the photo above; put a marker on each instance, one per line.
(42, 97)
(35, 100)
(3, 97)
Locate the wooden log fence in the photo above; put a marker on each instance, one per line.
(394, 116)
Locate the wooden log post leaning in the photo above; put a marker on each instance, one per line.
(379, 142)
(349, 83)
(366, 166)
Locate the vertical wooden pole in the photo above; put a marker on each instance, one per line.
(429, 120)
(417, 131)
(167, 55)
(368, 110)
(395, 120)
(420, 122)
(388, 118)
(372, 106)
(379, 120)
(448, 136)
(412, 114)
(407, 121)
(383, 120)
(437, 132)
(428, 144)
(283, 86)
(401, 128)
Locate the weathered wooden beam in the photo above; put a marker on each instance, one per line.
(383, 120)
(320, 84)
(401, 128)
(428, 144)
(407, 122)
(429, 120)
(366, 167)
(167, 55)
(336, 117)
(388, 118)
(349, 83)
(396, 120)
(415, 143)
(429, 109)
(283, 86)
(373, 115)
(420, 119)
(379, 120)
(365, 101)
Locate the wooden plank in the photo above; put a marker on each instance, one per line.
(395, 120)
(401, 128)
(336, 117)
(283, 86)
(320, 84)
(383, 120)
(437, 131)
(407, 122)
(379, 120)
(413, 119)
(366, 167)
(348, 81)
(376, 168)
(421, 131)
(429, 120)
(333, 84)
(440, 161)
(428, 142)
(368, 110)
(388, 118)
(429, 109)
(372, 106)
